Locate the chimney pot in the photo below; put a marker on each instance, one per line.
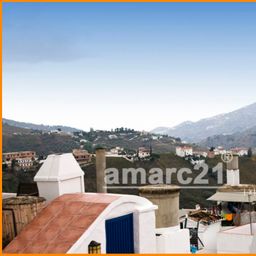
(100, 170)
(166, 197)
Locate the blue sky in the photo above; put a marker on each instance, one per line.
(138, 65)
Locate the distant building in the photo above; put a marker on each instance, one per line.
(184, 151)
(82, 156)
(25, 162)
(23, 158)
(116, 151)
(21, 154)
(219, 151)
(54, 132)
(240, 151)
(196, 160)
(112, 136)
(144, 152)
(200, 153)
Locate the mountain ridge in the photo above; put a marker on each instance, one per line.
(41, 127)
(228, 123)
(246, 139)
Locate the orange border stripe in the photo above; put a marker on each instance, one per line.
(129, 1)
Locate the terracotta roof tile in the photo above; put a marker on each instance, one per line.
(59, 225)
(82, 221)
(61, 247)
(34, 248)
(30, 233)
(16, 246)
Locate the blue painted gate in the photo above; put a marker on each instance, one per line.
(119, 234)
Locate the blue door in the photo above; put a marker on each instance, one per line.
(119, 235)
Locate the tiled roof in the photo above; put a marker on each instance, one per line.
(59, 225)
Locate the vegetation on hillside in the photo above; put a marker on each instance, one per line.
(188, 198)
(44, 143)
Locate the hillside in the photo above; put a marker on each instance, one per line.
(229, 123)
(134, 140)
(189, 197)
(39, 127)
(240, 139)
(9, 130)
(19, 139)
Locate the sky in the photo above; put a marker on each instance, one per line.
(136, 65)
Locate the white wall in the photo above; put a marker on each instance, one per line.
(182, 152)
(173, 241)
(235, 243)
(237, 240)
(209, 236)
(74, 185)
(144, 227)
(48, 189)
(52, 189)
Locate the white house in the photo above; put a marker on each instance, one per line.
(112, 136)
(200, 153)
(143, 152)
(25, 162)
(119, 223)
(219, 151)
(183, 151)
(116, 150)
(239, 151)
(195, 161)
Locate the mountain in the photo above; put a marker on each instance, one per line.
(19, 139)
(160, 130)
(239, 139)
(40, 127)
(45, 143)
(9, 130)
(225, 124)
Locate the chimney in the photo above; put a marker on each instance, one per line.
(60, 174)
(233, 175)
(100, 170)
(166, 197)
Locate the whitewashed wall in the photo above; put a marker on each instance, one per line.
(173, 240)
(144, 225)
(237, 240)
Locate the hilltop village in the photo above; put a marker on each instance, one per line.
(103, 222)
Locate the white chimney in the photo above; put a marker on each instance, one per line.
(60, 174)
(233, 175)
